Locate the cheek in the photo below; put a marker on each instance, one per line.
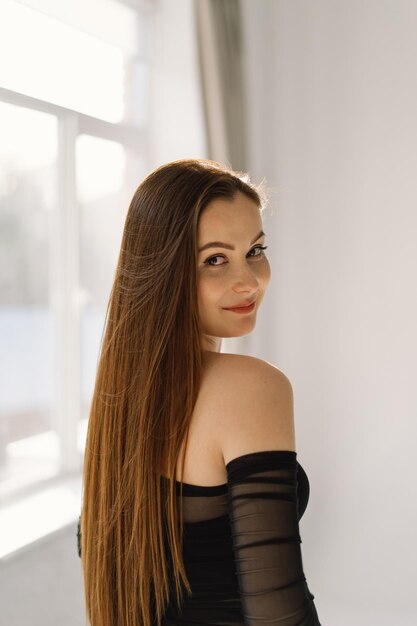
(211, 290)
(263, 273)
(207, 289)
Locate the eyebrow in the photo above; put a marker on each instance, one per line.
(220, 244)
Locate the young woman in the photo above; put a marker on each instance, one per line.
(192, 493)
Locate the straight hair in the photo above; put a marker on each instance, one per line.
(147, 381)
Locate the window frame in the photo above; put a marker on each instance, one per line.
(64, 279)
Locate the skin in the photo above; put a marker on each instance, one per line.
(231, 276)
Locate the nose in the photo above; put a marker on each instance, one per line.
(245, 280)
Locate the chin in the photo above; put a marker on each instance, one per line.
(239, 333)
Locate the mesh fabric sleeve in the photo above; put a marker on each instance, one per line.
(264, 522)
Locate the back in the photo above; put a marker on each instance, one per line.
(241, 541)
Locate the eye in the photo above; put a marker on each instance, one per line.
(219, 256)
(260, 248)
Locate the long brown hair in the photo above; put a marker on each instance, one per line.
(147, 381)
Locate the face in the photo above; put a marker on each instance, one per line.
(232, 272)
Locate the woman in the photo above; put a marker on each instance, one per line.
(190, 505)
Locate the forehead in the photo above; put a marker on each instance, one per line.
(240, 217)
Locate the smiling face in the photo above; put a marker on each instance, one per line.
(230, 277)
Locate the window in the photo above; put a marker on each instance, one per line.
(73, 122)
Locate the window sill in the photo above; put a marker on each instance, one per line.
(34, 518)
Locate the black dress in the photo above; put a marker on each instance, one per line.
(242, 547)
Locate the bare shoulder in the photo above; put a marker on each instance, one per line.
(241, 367)
(255, 401)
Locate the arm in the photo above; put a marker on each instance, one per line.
(258, 444)
(263, 513)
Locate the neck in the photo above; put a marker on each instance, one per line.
(211, 344)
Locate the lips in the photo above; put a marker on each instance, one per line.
(245, 305)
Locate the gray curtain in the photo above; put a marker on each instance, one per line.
(220, 49)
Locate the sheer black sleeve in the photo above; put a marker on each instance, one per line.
(264, 518)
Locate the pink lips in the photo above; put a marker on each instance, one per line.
(243, 309)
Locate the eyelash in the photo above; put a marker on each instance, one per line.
(206, 262)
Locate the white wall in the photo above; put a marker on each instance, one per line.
(176, 110)
(333, 127)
